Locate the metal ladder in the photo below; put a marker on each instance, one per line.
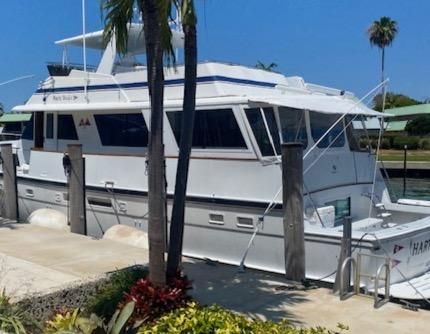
(356, 265)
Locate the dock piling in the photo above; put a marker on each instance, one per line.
(9, 183)
(292, 199)
(345, 252)
(77, 190)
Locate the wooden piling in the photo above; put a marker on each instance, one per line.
(9, 183)
(292, 199)
(345, 252)
(77, 218)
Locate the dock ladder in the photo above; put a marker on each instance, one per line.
(356, 266)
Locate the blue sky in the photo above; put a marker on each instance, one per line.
(324, 41)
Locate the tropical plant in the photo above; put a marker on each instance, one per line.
(155, 14)
(267, 67)
(381, 34)
(152, 302)
(195, 319)
(110, 294)
(75, 323)
(12, 318)
(189, 22)
(158, 36)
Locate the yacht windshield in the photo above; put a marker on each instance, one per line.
(320, 124)
(293, 125)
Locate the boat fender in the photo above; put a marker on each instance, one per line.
(49, 218)
(127, 235)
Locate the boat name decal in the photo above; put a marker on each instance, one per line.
(64, 97)
(420, 247)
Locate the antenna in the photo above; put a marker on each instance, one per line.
(84, 44)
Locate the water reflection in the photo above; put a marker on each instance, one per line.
(415, 188)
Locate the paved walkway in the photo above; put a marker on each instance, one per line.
(259, 295)
(35, 259)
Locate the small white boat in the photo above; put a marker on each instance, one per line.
(243, 115)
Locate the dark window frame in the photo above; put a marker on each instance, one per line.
(66, 128)
(211, 131)
(256, 122)
(49, 126)
(126, 130)
(339, 142)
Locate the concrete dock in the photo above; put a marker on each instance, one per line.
(40, 260)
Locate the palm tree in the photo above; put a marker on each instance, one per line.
(155, 14)
(381, 34)
(157, 38)
(189, 22)
(267, 67)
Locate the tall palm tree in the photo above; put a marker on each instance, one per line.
(155, 14)
(381, 34)
(189, 22)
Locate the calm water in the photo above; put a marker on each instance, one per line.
(415, 188)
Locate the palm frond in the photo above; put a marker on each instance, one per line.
(119, 15)
(382, 32)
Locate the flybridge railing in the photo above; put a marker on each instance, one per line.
(60, 69)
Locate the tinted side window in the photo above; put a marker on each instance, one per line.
(49, 126)
(258, 127)
(128, 130)
(320, 123)
(293, 125)
(66, 127)
(28, 129)
(212, 129)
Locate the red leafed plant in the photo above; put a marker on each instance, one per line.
(152, 302)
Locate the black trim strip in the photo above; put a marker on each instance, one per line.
(198, 199)
(144, 84)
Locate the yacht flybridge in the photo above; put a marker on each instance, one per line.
(243, 116)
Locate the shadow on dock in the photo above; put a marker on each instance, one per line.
(255, 293)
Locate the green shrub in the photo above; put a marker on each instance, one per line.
(425, 144)
(400, 142)
(107, 299)
(13, 319)
(385, 144)
(75, 323)
(194, 319)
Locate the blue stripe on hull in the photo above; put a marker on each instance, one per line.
(173, 82)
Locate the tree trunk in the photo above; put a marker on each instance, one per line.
(156, 166)
(383, 78)
(187, 129)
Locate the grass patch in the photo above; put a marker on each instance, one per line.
(398, 155)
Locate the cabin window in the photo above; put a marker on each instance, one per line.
(256, 121)
(49, 126)
(66, 128)
(320, 123)
(28, 129)
(128, 130)
(213, 129)
(293, 125)
(342, 209)
(12, 128)
(354, 135)
(38, 129)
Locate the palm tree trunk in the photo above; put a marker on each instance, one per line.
(383, 78)
(187, 128)
(156, 167)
